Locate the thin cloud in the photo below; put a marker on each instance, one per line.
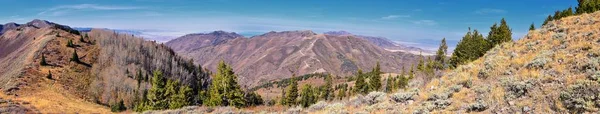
(425, 22)
(490, 11)
(64, 9)
(389, 17)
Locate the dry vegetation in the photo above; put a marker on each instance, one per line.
(105, 73)
(554, 69)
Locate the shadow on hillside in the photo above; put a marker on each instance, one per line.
(83, 63)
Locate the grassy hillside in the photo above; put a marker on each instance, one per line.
(554, 69)
(109, 67)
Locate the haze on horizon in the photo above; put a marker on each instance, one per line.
(410, 22)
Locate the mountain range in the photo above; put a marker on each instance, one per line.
(279, 55)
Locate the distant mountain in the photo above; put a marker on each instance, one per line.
(199, 40)
(275, 55)
(385, 43)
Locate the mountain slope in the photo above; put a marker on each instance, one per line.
(385, 43)
(106, 70)
(274, 55)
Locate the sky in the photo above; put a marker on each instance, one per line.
(420, 23)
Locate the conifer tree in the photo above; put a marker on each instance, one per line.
(307, 97)
(375, 78)
(181, 98)
(548, 19)
(328, 92)
(360, 86)
(70, 43)
(292, 92)
(499, 34)
(49, 76)
(43, 60)
(81, 38)
(531, 27)
(342, 92)
(389, 84)
(440, 57)
(421, 64)
(118, 107)
(253, 99)
(74, 56)
(156, 95)
(471, 47)
(225, 90)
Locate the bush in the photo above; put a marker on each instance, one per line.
(516, 89)
(540, 60)
(402, 97)
(318, 106)
(356, 101)
(375, 97)
(477, 106)
(582, 96)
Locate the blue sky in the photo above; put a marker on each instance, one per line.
(413, 22)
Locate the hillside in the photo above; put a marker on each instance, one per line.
(274, 55)
(385, 43)
(554, 69)
(109, 67)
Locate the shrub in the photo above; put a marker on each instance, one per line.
(582, 96)
(516, 89)
(294, 110)
(403, 97)
(375, 97)
(49, 76)
(336, 108)
(477, 106)
(540, 60)
(318, 106)
(356, 101)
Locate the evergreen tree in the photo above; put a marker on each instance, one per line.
(342, 92)
(307, 97)
(139, 77)
(531, 27)
(254, 99)
(421, 64)
(70, 43)
(181, 98)
(389, 84)
(171, 93)
(440, 57)
(81, 38)
(49, 76)
(156, 96)
(548, 19)
(43, 60)
(328, 92)
(291, 92)
(74, 56)
(225, 90)
(471, 47)
(360, 86)
(118, 107)
(499, 34)
(375, 78)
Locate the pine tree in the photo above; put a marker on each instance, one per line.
(139, 77)
(70, 43)
(440, 57)
(43, 60)
(389, 84)
(375, 78)
(181, 98)
(360, 85)
(118, 107)
(254, 99)
(156, 95)
(471, 47)
(292, 92)
(171, 93)
(49, 76)
(500, 34)
(81, 38)
(342, 92)
(225, 90)
(548, 19)
(531, 27)
(307, 97)
(328, 92)
(74, 56)
(421, 64)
